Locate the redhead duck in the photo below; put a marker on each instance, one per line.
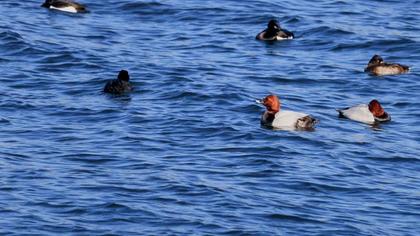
(64, 5)
(366, 113)
(377, 66)
(275, 118)
(120, 85)
(274, 32)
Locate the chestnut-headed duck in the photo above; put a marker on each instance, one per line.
(274, 32)
(64, 5)
(276, 118)
(120, 85)
(377, 66)
(366, 113)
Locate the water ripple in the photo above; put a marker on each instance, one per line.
(184, 153)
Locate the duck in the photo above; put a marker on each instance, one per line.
(282, 119)
(377, 66)
(120, 85)
(371, 113)
(274, 32)
(64, 5)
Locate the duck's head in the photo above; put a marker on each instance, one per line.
(123, 75)
(271, 102)
(376, 108)
(273, 25)
(376, 60)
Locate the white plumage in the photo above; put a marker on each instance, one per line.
(70, 9)
(287, 119)
(360, 113)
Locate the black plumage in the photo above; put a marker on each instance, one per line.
(120, 85)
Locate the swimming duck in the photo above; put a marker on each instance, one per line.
(120, 85)
(275, 118)
(274, 32)
(366, 113)
(377, 66)
(64, 5)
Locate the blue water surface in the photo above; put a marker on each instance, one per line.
(184, 154)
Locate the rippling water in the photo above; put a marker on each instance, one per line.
(184, 154)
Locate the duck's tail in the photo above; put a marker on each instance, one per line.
(307, 122)
(340, 113)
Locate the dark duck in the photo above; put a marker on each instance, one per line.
(377, 66)
(64, 5)
(274, 32)
(120, 85)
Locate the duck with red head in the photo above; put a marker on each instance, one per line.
(64, 5)
(283, 119)
(274, 32)
(377, 66)
(366, 113)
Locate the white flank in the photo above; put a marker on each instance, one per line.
(278, 38)
(281, 38)
(70, 9)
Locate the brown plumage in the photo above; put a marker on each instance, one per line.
(377, 66)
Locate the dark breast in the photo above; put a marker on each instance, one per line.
(267, 119)
(270, 34)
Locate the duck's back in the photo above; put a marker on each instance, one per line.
(67, 6)
(284, 34)
(359, 113)
(117, 87)
(271, 35)
(388, 69)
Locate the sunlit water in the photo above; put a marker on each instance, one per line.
(184, 154)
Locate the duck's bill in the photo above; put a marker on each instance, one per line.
(259, 101)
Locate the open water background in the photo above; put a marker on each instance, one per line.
(184, 154)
